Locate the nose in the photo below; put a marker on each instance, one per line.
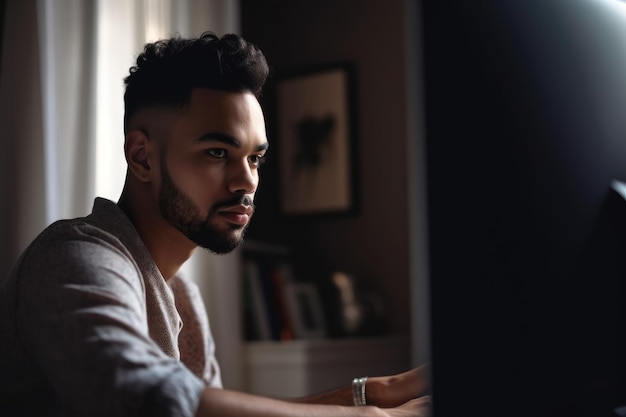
(243, 178)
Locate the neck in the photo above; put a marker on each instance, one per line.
(168, 247)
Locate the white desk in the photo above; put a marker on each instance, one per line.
(304, 367)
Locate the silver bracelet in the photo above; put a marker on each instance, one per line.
(358, 391)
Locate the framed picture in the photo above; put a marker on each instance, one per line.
(307, 317)
(316, 129)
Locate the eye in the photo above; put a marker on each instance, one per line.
(257, 160)
(216, 152)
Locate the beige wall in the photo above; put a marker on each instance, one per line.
(375, 244)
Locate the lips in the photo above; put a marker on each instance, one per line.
(238, 214)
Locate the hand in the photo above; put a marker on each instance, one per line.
(396, 390)
(419, 407)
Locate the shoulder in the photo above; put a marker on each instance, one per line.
(76, 252)
(76, 232)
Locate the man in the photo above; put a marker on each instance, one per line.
(93, 318)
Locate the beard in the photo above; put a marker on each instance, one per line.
(181, 212)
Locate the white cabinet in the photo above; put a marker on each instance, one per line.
(303, 367)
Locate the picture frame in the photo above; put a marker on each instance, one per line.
(305, 309)
(316, 137)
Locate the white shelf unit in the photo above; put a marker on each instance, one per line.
(304, 367)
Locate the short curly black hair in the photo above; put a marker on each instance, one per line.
(167, 71)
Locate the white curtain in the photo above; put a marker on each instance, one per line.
(61, 124)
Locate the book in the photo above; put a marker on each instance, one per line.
(257, 322)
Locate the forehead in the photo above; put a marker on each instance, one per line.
(238, 114)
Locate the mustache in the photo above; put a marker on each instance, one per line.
(244, 200)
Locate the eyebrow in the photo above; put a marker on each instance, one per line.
(227, 140)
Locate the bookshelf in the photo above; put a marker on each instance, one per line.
(286, 348)
(276, 305)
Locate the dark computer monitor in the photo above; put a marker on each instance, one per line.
(526, 133)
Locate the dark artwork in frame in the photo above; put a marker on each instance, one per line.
(316, 136)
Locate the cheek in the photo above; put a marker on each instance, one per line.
(202, 184)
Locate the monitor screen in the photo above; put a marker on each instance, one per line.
(526, 151)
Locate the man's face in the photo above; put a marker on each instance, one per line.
(209, 168)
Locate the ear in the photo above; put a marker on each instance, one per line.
(137, 149)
